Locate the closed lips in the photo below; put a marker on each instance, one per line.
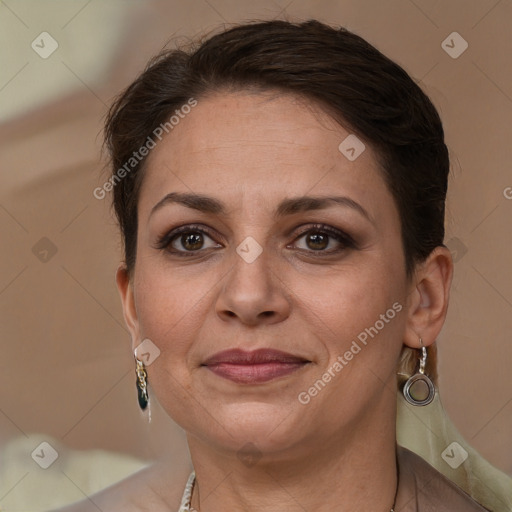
(254, 367)
(261, 356)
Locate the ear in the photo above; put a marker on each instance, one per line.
(428, 298)
(125, 288)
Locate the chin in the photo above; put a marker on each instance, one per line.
(267, 427)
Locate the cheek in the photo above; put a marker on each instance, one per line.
(169, 306)
(356, 294)
(361, 313)
(362, 320)
(168, 310)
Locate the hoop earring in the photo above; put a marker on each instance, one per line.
(419, 390)
(142, 384)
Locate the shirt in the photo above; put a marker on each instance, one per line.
(421, 488)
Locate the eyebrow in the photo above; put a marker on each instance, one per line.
(288, 206)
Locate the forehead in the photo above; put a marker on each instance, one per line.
(256, 148)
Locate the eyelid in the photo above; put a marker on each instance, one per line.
(338, 234)
(165, 240)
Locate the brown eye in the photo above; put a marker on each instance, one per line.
(191, 241)
(323, 239)
(317, 241)
(187, 240)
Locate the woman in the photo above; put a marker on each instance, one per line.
(280, 191)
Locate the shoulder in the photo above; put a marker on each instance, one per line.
(423, 488)
(156, 488)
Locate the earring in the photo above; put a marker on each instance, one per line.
(419, 390)
(142, 384)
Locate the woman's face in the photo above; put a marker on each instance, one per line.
(261, 267)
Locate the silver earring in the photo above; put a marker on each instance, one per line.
(142, 384)
(419, 390)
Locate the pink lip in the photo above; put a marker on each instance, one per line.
(253, 367)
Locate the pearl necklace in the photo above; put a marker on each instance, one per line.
(186, 500)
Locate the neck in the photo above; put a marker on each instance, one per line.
(350, 471)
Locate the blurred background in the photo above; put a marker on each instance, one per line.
(67, 376)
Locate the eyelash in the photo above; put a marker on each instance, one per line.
(344, 239)
(165, 241)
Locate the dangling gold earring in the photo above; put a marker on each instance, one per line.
(419, 390)
(142, 384)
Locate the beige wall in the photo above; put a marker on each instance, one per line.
(67, 369)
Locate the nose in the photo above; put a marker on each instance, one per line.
(252, 293)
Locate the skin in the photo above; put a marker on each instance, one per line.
(250, 151)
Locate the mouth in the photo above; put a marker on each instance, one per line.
(253, 367)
